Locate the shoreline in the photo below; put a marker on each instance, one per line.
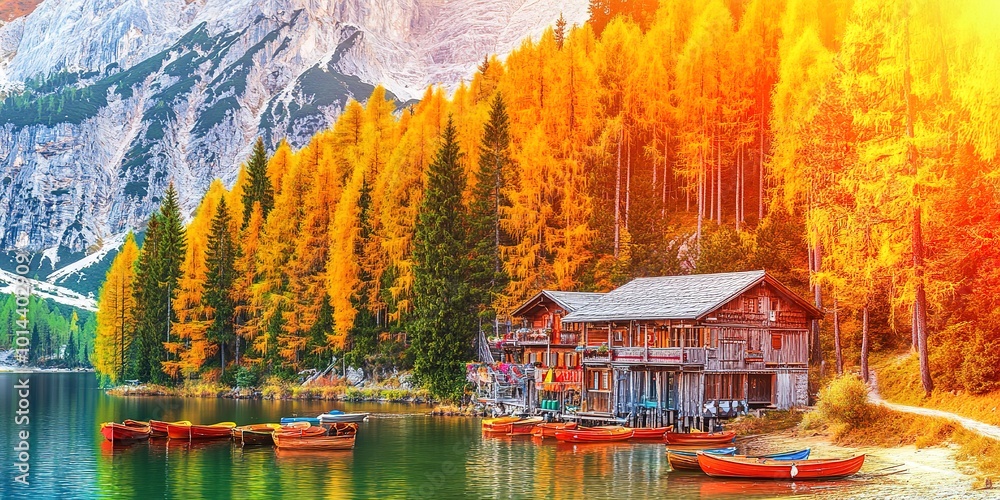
(20, 369)
(889, 472)
(278, 393)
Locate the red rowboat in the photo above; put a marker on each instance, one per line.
(292, 442)
(767, 468)
(595, 434)
(159, 427)
(221, 430)
(701, 438)
(524, 427)
(548, 430)
(342, 428)
(651, 433)
(124, 433)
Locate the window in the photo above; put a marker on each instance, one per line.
(776, 341)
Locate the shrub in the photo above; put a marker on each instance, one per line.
(845, 400)
(981, 367)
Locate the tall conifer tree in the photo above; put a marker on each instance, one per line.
(259, 188)
(220, 259)
(157, 273)
(489, 277)
(444, 327)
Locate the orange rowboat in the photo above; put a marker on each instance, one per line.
(220, 430)
(158, 427)
(254, 434)
(651, 433)
(124, 433)
(499, 424)
(701, 438)
(595, 434)
(323, 443)
(766, 468)
(548, 430)
(524, 427)
(301, 432)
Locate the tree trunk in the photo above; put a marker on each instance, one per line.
(920, 299)
(836, 338)
(817, 349)
(628, 182)
(718, 176)
(618, 191)
(864, 344)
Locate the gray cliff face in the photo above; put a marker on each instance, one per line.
(108, 101)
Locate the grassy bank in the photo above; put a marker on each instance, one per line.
(278, 389)
(845, 414)
(899, 382)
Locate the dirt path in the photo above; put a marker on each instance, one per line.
(990, 431)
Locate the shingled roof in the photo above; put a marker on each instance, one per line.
(675, 297)
(569, 301)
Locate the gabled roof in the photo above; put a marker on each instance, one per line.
(569, 301)
(677, 297)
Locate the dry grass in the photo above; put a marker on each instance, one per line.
(899, 382)
(770, 422)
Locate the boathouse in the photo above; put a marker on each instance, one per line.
(687, 350)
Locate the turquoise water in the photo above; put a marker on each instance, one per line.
(401, 452)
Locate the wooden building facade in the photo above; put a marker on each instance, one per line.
(687, 350)
(549, 344)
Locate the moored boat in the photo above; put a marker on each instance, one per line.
(595, 434)
(191, 431)
(786, 455)
(548, 429)
(651, 432)
(128, 432)
(701, 438)
(523, 427)
(291, 442)
(255, 434)
(765, 468)
(688, 460)
(301, 431)
(341, 428)
(498, 424)
(158, 428)
(331, 418)
(292, 420)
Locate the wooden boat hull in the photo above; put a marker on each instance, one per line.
(524, 427)
(595, 435)
(688, 460)
(306, 432)
(652, 432)
(319, 443)
(256, 434)
(499, 424)
(123, 433)
(159, 427)
(547, 430)
(762, 468)
(700, 438)
(341, 428)
(222, 430)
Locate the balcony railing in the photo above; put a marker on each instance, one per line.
(541, 337)
(661, 355)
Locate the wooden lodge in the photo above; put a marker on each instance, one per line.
(686, 350)
(550, 345)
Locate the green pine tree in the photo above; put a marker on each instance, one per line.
(220, 258)
(157, 272)
(70, 354)
(489, 277)
(363, 336)
(258, 187)
(443, 330)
